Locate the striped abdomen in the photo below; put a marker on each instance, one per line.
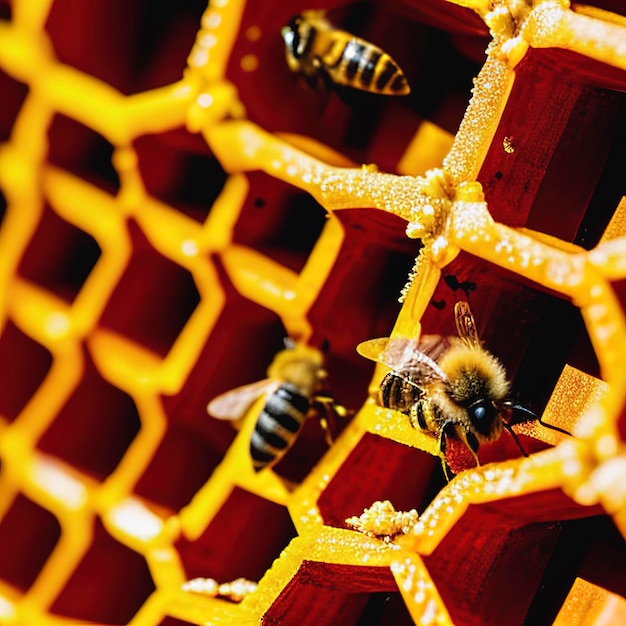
(362, 65)
(278, 425)
(397, 393)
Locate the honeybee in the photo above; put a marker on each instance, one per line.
(292, 391)
(324, 54)
(448, 386)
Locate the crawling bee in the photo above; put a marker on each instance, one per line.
(292, 391)
(327, 55)
(449, 386)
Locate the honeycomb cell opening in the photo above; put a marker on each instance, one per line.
(242, 540)
(60, 256)
(325, 594)
(243, 328)
(379, 469)
(518, 321)
(129, 46)
(472, 567)
(153, 300)
(28, 535)
(109, 585)
(589, 548)
(279, 221)
(82, 151)
(178, 169)
(532, 177)
(183, 461)
(24, 364)
(95, 426)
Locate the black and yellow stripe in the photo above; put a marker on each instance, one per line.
(278, 425)
(397, 393)
(361, 65)
(330, 55)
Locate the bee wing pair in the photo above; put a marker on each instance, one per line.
(411, 360)
(416, 361)
(233, 404)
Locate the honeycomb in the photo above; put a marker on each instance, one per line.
(175, 202)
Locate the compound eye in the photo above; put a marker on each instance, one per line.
(482, 415)
(479, 412)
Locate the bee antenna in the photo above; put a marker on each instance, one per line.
(514, 407)
(520, 409)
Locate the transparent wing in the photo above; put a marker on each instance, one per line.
(465, 325)
(406, 357)
(233, 404)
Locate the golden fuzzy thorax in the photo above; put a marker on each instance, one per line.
(473, 372)
(300, 365)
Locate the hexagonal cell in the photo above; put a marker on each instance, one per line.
(59, 257)
(576, 165)
(95, 427)
(13, 95)
(109, 585)
(279, 220)
(133, 46)
(488, 567)
(591, 549)
(518, 321)
(153, 299)
(325, 594)
(24, 364)
(243, 539)
(28, 534)
(178, 169)
(181, 464)
(379, 469)
(82, 151)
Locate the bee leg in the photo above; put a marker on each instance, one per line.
(321, 81)
(327, 410)
(447, 425)
(512, 408)
(472, 445)
(515, 438)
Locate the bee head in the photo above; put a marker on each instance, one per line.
(299, 364)
(484, 416)
(473, 374)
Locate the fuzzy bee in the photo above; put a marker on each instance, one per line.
(329, 56)
(292, 392)
(449, 386)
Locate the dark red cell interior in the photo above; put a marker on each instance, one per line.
(109, 585)
(95, 426)
(24, 364)
(243, 539)
(28, 535)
